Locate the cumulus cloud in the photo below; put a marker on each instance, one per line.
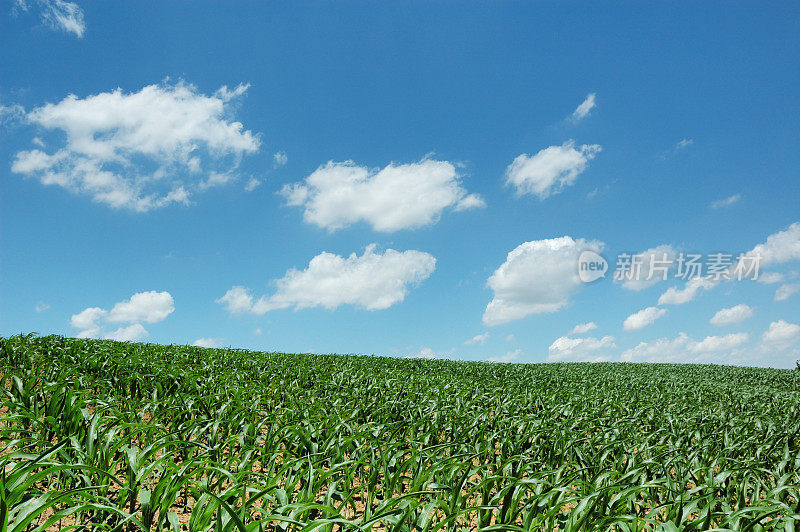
(679, 296)
(583, 328)
(643, 318)
(373, 281)
(780, 247)
(56, 14)
(404, 196)
(684, 349)
(785, 291)
(131, 333)
(590, 349)
(207, 342)
(582, 111)
(551, 169)
(726, 202)
(478, 339)
(729, 316)
(647, 268)
(140, 150)
(781, 335)
(537, 277)
(508, 357)
(148, 307)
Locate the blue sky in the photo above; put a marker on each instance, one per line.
(206, 171)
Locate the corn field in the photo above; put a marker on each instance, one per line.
(101, 435)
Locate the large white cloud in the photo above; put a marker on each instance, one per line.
(551, 169)
(537, 277)
(148, 307)
(374, 281)
(566, 349)
(57, 14)
(780, 247)
(643, 318)
(140, 150)
(729, 316)
(403, 196)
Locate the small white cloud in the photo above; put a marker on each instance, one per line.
(11, 114)
(780, 247)
(252, 184)
(430, 354)
(770, 278)
(41, 307)
(683, 143)
(582, 111)
(257, 331)
(478, 339)
(508, 357)
(147, 307)
(683, 349)
(649, 268)
(583, 328)
(550, 170)
(57, 14)
(729, 316)
(566, 349)
(679, 296)
(785, 291)
(510, 338)
(131, 333)
(643, 318)
(86, 320)
(279, 159)
(207, 342)
(405, 196)
(140, 150)
(781, 335)
(537, 277)
(726, 202)
(374, 281)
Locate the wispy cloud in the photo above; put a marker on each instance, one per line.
(726, 202)
(583, 110)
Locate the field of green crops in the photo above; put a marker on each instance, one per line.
(100, 435)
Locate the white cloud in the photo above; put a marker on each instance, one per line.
(649, 267)
(86, 321)
(510, 338)
(207, 342)
(770, 277)
(583, 328)
(279, 159)
(252, 184)
(729, 316)
(781, 335)
(508, 357)
(374, 281)
(683, 349)
(430, 354)
(679, 296)
(141, 150)
(537, 277)
(130, 333)
(405, 196)
(683, 143)
(582, 111)
(785, 291)
(147, 307)
(11, 114)
(551, 169)
(643, 318)
(41, 307)
(725, 202)
(57, 14)
(566, 349)
(780, 247)
(478, 339)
